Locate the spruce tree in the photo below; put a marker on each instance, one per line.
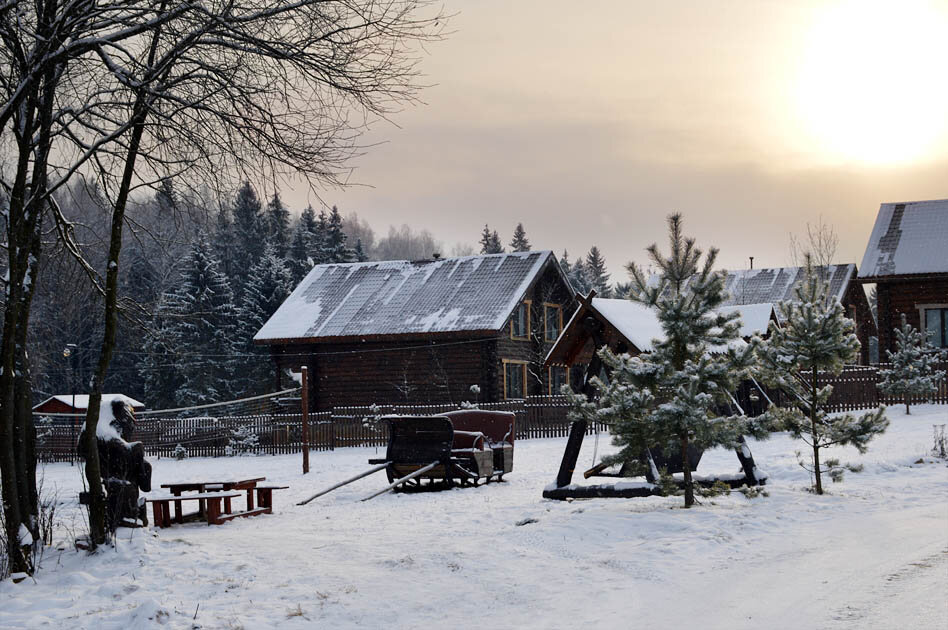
(358, 252)
(815, 341)
(249, 234)
(268, 285)
(565, 264)
(519, 242)
(335, 239)
(913, 373)
(596, 273)
(277, 221)
(669, 398)
(225, 244)
(579, 277)
(490, 242)
(198, 322)
(305, 235)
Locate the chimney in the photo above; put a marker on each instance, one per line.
(752, 262)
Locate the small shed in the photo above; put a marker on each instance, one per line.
(69, 403)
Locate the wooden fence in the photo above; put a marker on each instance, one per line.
(275, 433)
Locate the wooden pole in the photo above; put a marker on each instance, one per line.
(347, 481)
(305, 371)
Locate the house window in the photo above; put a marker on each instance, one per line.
(520, 322)
(515, 379)
(936, 324)
(552, 321)
(559, 376)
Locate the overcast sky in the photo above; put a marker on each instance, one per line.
(591, 121)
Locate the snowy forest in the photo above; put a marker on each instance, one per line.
(200, 274)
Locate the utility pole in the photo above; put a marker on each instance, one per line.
(69, 352)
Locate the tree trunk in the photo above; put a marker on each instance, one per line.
(686, 469)
(907, 412)
(814, 433)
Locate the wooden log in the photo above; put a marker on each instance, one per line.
(573, 445)
(346, 482)
(402, 480)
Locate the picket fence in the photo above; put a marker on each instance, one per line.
(276, 433)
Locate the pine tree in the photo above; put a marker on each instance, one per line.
(335, 239)
(490, 242)
(249, 235)
(913, 373)
(596, 273)
(359, 253)
(565, 264)
(277, 221)
(668, 398)
(268, 285)
(196, 325)
(816, 340)
(579, 277)
(304, 242)
(225, 244)
(319, 240)
(519, 242)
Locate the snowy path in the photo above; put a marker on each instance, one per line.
(872, 554)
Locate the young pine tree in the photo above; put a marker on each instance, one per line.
(519, 242)
(668, 398)
(913, 373)
(816, 340)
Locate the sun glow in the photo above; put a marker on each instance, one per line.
(872, 85)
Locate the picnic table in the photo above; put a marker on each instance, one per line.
(210, 495)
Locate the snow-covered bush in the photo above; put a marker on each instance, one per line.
(243, 441)
(180, 453)
(940, 446)
(913, 373)
(816, 338)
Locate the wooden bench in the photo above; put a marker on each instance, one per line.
(210, 506)
(265, 496)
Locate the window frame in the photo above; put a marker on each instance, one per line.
(559, 321)
(523, 372)
(526, 305)
(549, 378)
(942, 310)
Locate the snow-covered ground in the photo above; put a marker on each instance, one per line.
(873, 553)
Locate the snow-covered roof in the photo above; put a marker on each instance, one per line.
(755, 318)
(82, 400)
(640, 325)
(637, 322)
(471, 293)
(908, 238)
(770, 286)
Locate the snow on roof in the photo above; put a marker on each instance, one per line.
(640, 324)
(774, 285)
(637, 322)
(908, 238)
(82, 401)
(401, 297)
(755, 318)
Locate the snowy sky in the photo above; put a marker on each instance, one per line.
(590, 122)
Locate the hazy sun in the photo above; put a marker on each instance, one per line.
(873, 86)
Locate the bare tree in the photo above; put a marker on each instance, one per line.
(209, 91)
(820, 242)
